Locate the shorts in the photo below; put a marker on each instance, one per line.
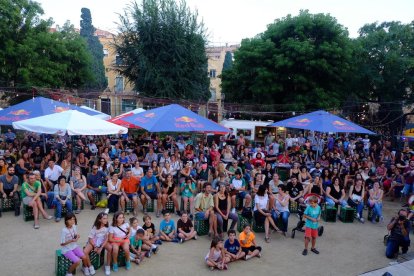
(251, 249)
(242, 194)
(153, 195)
(201, 216)
(27, 200)
(74, 255)
(311, 233)
(131, 196)
(93, 192)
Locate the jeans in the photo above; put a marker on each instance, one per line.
(330, 202)
(407, 189)
(377, 210)
(113, 203)
(359, 206)
(394, 245)
(222, 224)
(49, 200)
(284, 216)
(58, 205)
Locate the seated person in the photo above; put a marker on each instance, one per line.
(95, 185)
(248, 244)
(188, 189)
(167, 228)
(185, 228)
(274, 183)
(9, 188)
(375, 201)
(262, 214)
(335, 194)
(216, 257)
(399, 228)
(356, 198)
(149, 228)
(281, 208)
(295, 190)
(150, 189)
(238, 186)
(78, 185)
(204, 208)
(63, 197)
(129, 189)
(232, 247)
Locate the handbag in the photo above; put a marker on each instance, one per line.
(102, 203)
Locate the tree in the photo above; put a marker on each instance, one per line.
(298, 62)
(87, 31)
(228, 61)
(31, 55)
(162, 46)
(385, 68)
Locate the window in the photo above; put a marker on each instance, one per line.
(106, 106)
(118, 60)
(119, 84)
(212, 73)
(213, 94)
(128, 105)
(105, 52)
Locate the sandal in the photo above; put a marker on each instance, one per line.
(267, 239)
(36, 226)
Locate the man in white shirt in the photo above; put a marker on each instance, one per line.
(289, 141)
(92, 147)
(52, 173)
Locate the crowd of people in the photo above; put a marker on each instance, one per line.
(214, 181)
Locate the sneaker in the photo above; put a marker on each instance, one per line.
(305, 252)
(85, 271)
(233, 210)
(49, 217)
(155, 250)
(36, 226)
(247, 257)
(158, 214)
(158, 242)
(115, 267)
(175, 240)
(211, 268)
(92, 270)
(107, 270)
(135, 213)
(148, 254)
(314, 250)
(77, 211)
(181, 240)
(106, 211)
(361, 220)
(259, 255)
(128, 265)
(57, 219)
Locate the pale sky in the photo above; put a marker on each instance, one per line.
(229, 21)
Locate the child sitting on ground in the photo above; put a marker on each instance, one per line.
(248, 243)
(70, 249)
(216, 257)
(312, 215)
(98, 241)
(147, 245)
(149, 228)
(135, 246)
(185, 228)
(167, 228)
(232, 247)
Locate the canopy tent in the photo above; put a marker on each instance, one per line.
(119, 119)
(36, 107)
(174, 118)
(100, 114)
(321, 121)
(71, 122)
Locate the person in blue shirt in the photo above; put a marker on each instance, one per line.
(167, 228)
(232, 247)
(150, 189)
(312, 215)
(95, 184)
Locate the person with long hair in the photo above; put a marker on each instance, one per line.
(222, 205)
(78, 186)
(119, 234)
(169, 193)
(335, 195)
(98, 241)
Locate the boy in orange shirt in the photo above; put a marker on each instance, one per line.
(248, 243)
(129, 189)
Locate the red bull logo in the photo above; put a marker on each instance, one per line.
(150, 115)
(338, 123)
(61, 109)
(19, 112)
(304, 120)
(185, 119)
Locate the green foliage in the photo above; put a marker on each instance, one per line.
(30, 55)
(163, 50)
(87, 31)
(228, 61)
(299, 62)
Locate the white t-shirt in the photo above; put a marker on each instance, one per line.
(261, 201)
(111, 186)
(118, 233)
(237, 183)
(66, 235)
(98, 235)
(53, 174)
(134, 231)
(137, 171)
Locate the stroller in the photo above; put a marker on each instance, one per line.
(301, 223)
